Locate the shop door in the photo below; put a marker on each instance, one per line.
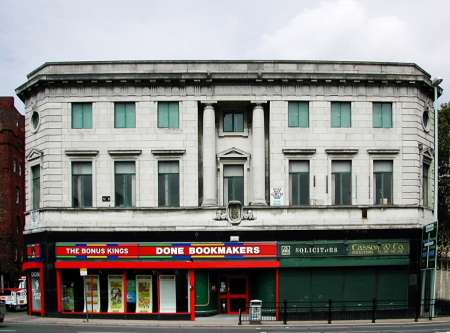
(167, 294)
(233, 294)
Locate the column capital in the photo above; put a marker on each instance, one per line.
(258, 102)
(207, 102)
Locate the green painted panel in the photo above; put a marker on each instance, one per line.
(295, 285)
(360, 285)
(344, 261)
(262, 286)
(201, 288)
(392, 286)
(327, 284)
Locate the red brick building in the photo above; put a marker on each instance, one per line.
(12, 190)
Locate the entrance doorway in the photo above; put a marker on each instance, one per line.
(233, 293)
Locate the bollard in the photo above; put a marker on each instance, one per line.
(284, 312)
(374, 310)
(329, 311)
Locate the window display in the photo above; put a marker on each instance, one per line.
(115, 293)
(92, 293)
(144, 293)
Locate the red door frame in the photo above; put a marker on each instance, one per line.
(228, 297)
(33, 267)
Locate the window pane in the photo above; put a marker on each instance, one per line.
(81, 168)
(299, 188)
(36, 191)
(299, 166)
(87, 115)
(238, 122)
(233, 170)
(173, 115)
(77, 115)
(425, 184)
(341, 166)
(168, 184)
(163, 115)
(293, 114)
(346, 115)
(124, 184)
(341, 182)
(173, 193)
(303, 109)
(335, 115)
(168, 167)
(119, 115)
(125, 168)
(235, 188)
(130, 115)
(228, 122)
(346, 189)
(377, 115)
(387, 115)
(382, 166)
(82, 184)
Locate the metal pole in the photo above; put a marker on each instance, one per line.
(435, 84)
(85, 299)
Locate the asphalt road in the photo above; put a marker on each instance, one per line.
(89, 328)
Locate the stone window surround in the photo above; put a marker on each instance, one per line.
(221, 113)
(344, 154)
(384, 155)
(81, 156)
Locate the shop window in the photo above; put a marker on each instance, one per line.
(299, 182)
(233, 121)
(81, 184)
(35, 291)
(168, 115)
(298, 114)
(81, 115)
(382, 178)
(341, 182)
(125, 184)
(233, 183)
(168, 184)
(36, 186)
(425, 184)
(124, 115)
(382, 115)
(341, 114)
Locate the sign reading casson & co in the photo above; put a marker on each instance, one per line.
(343, 248)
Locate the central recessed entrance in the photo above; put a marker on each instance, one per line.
(233, 293)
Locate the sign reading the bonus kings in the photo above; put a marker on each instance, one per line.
(180, 251)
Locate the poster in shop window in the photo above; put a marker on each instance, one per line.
(35, 291)
(115, 293)
(92, 293)
(68, 297)
(144, 293)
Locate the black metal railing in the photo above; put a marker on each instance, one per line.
(331, 310)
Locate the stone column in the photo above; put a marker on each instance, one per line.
(209, 156)
(258, 159)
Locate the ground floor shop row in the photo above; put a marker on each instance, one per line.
(185, 280)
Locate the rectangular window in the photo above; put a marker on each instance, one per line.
(17, 196)
(341, 114)
(425, 184)
(382, 179)
(168, 115)
(298, 114)
(82, 184)
(168, 184)
(81, 115)
(124, 115)
(341, 178)
(125, 184)
(299, 182)
(233, 121)
(233, 183)
(36, 186)
(382, 115)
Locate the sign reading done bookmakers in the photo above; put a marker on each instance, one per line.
(180, 251)
(344, 248)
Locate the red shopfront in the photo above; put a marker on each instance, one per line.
(157, 280)
(34, 269)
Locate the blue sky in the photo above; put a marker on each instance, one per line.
(33, 32)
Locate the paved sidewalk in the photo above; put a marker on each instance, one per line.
(215, 321)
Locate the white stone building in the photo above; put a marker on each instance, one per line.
(130, 154)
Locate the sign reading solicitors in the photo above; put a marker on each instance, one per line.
(348, 248)
(180, 251)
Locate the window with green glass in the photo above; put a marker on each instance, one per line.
(125, 183)
(299, 182)
(233, 183)
(124, 115)
(168, 115)
(298, 114)
(36, 186)
(81, 115)
(341, 182)
(233, 121)
(81, 184)
(341, 114)
(168, 184)
(425, 184)
(382, 115)
(382, 179)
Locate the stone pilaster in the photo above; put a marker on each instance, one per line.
(258, 160)
(209, 156)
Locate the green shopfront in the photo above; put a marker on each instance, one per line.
(350, 274)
